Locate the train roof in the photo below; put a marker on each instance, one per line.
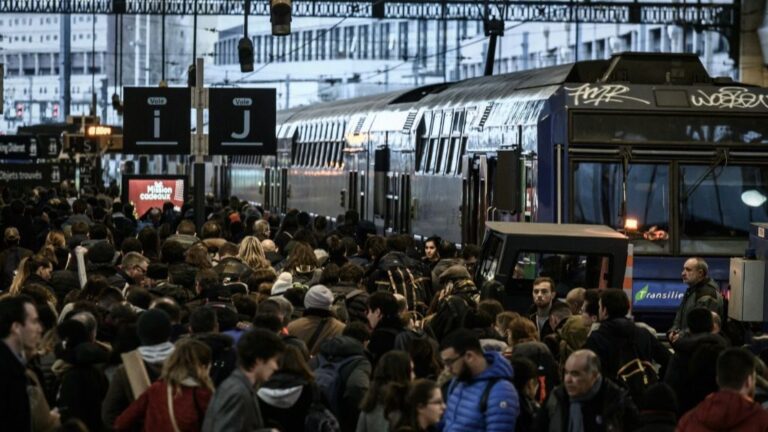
(558, 230)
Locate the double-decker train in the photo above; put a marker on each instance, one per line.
(646, 143)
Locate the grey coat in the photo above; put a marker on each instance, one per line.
(234, 407)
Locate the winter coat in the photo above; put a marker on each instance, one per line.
(611, 409)
(151, 411)
(356, 377)
(285, 401)
(614, 340)
(704, 294)
(223, 354)
(119, 396)
(656, 421)
(547, 367)
(725, 410)
(234, 407)
(376, 420)
(37, 280)
(83, 384)
(692, 380)
(383, 337)
(463, 411)
(14, 403)
(304, 328)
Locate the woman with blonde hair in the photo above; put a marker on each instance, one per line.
(55, 249)
(32, 269)
(252, 253)
(261, 229)
(178, 400)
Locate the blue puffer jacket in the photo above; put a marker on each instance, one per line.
(463, 413)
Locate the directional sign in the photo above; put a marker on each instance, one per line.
(25, 174)
(242, 121)
(20, 147)
(156, 120)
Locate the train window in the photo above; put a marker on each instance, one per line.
(567, 270)
(717, 206)
(597, 195)
(456, 152)
(437, 121)
(340, 153)
(447, 123)
(431, 152)
(458, 122)
(450, 152)
(428, 123)
(440, 155)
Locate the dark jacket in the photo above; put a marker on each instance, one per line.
(16, 254)
(285, 400)
(611, 409)
(383, 337)
(547, 367)
(704, 294)
(234, 269)
(14, 403)
(546, 329)
(83, 384)
(692, 369)
(463, 411)
(619, 340)
(725, 411)
(182, 274)
(223, 355)
(119, 396)
(35, 279)
(355, 376)
(656, 421)
(234, 407)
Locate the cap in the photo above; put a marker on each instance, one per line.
(318, 297)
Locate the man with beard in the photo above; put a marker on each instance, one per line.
(481, 396)
(732, 408)
(543, 296)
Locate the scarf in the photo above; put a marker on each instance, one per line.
(575, 418)
(156, 353)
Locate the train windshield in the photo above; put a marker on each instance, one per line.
(699, 128)
(715, 204)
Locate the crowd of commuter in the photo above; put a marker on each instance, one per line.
(111, 321)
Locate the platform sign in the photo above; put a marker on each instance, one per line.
(242, 121)
(25, 175)
(157, 120)
(657, 295)
(26, 147)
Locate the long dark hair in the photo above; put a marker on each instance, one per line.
(391, 377)
(419, 394)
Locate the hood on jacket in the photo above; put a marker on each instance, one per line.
(498, 367)
(282, 390)
(726, 410)
(341, 347)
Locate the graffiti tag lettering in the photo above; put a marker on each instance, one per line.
(730, 97)
(589, 94)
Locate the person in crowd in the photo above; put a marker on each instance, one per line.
(252, 253)
(318, 323)
(731, 408)
(286, 397)
(154, 331)
(543, 296)
(133, 269)
(235, 405)
(83, 384)
(384, 319)
(590, 309)
(525, 343)
(702, 291)
(658, 408)
(204, 327)
(11, 256)
(34, 269)
(186, 234)
(20, 330)
(693, 367)
(526, 380)
(261, 230)
(619, 340)
(558, 314)
(431, 255)
(586, 401)
(348, 353)
(198, 257)
(572, 335)
(178, 400)
(575, 300)
(425, 407)
(481, 396)
(382, 405)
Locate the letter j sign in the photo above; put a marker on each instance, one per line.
(241, 121)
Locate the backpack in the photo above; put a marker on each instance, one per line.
(449, 316)
(331, 381)
(320, 419)
(395, 276)
(636, 375)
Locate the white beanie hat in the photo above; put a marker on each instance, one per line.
(282, 284)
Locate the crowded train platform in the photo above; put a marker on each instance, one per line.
(293, 323)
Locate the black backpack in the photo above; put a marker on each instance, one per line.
(394, 275)
(635, 374)
(331, 378)
(320, 419)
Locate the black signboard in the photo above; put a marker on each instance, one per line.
(242, 121)
(25, 147)
(156, 120)
(25, 175)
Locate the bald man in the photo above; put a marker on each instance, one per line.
(702, 292)
(586, 401)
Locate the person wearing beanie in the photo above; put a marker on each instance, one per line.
(318, 322)
(658, 408)
(154, 331)
(283, 283)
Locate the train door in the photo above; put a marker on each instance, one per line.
(276, 189)
(353, 197)
(477, 175)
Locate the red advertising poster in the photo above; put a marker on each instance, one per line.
(145, 194)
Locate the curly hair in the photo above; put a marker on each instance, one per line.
(301, 255)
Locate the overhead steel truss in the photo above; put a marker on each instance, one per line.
(706, 16)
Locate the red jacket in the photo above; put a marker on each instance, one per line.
(150, 410)
(725, 411)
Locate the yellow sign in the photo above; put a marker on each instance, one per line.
(96, 130)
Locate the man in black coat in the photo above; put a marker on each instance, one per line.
(618, 339)
(19, 330)
(386, 324)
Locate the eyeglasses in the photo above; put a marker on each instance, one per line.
(436, 402)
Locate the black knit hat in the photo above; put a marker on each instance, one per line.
(153, 327)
